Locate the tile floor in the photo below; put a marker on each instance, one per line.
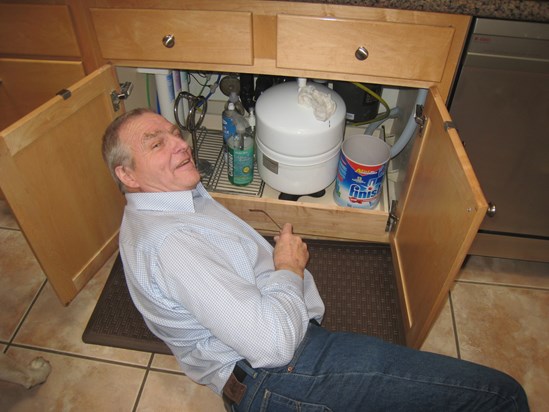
(497, 314)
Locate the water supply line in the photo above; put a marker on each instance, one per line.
(409, 129)
(380, 117)
(393, 114)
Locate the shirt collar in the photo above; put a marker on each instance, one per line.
(166, 201)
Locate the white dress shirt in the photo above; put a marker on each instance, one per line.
(205, 283)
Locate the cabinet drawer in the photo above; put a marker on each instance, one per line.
(308, 220)
(42, 30)
(397, 50)
(222, 37)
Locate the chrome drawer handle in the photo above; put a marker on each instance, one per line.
(168, 41)
(491, 212)
(361, 53)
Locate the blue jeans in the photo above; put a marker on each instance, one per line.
(351, 372)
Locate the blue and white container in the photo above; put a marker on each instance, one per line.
(361, 171)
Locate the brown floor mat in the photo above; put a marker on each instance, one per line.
(356, 281)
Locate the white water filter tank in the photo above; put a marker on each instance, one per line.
(297, 154)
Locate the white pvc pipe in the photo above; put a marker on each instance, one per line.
(164, 91)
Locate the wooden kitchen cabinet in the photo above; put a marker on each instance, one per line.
(39, 55)
(391, 49)
(37, 29)
(27, 83)
(57, 186)
(439, 209)
(183, 36)
(405, 48)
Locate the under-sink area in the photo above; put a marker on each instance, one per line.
(209, 138)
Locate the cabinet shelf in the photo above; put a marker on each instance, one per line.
(210, 148)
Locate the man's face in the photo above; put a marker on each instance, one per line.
(163, 161)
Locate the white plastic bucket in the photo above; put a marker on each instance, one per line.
(361, 171)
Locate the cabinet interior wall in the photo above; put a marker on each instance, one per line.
(144, 95)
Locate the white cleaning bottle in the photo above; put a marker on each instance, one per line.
(232, 106)
(228, 123)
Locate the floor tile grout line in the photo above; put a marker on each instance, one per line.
(26, 314)
(505, 285)
(454, 325)
(77, 355)
(11, 229)
(168, 371)
(148, 367)
(143, 382)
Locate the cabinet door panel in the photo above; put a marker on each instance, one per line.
(26, 84)
(439, 214)
(221, 37)
(398, 50)
(61, 193)
(32, 29)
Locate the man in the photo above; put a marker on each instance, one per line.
(242, 317)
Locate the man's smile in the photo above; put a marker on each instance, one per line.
(183, 163)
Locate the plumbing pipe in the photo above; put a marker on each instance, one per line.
(393, 114)
(164, 90)
(184, 80)
(409, 129)
(411, 126)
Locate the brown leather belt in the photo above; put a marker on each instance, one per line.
(234, 389)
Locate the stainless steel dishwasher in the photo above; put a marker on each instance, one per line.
(500, 107)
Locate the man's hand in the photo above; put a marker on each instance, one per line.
(290, 251)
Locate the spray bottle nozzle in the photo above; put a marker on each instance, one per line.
(233, 97)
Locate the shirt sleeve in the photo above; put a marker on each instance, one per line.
(262, 316)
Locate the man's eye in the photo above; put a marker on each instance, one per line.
(156, 144)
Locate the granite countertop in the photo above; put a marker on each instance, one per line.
(523, 10)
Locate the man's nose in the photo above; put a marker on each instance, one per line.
(179, 144)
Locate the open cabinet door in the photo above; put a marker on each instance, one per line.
(439, 214)
(54, 179)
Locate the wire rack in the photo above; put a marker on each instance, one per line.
(210, 148)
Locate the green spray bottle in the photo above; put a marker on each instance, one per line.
(240, 160)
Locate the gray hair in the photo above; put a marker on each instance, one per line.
(115, 152)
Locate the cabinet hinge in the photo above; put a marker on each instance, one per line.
(64, 93)
(125, 91)
(420, 118)
(449, 125)
(392, 220)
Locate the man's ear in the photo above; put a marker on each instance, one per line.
(126, 177)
